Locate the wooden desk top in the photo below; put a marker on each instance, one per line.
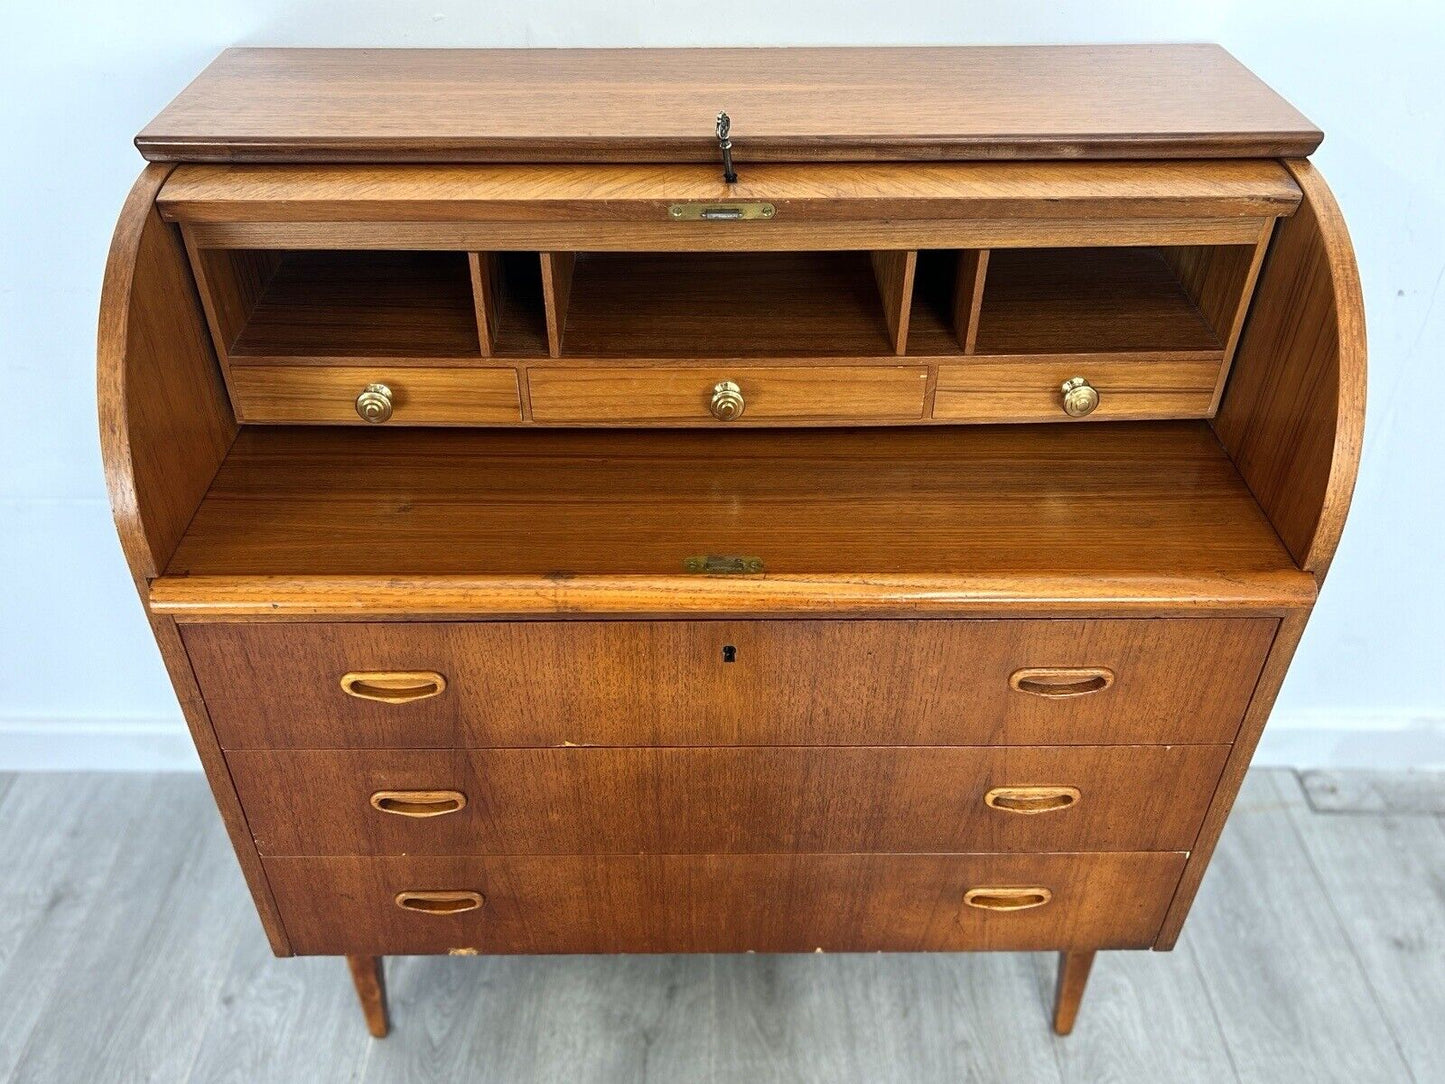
(659, 105)
(1137, 515)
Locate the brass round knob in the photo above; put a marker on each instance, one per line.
(727, 401)
(374, 403)
(1080, 397)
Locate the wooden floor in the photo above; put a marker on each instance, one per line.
(1316, 952)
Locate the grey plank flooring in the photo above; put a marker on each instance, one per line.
(1282, 976)
(1374, 792)
(129, 951)
(1385, 878)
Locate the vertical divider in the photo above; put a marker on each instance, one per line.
(557, 268)
(894, 270)
(1220, 281)
(488, 284)
(968, 296)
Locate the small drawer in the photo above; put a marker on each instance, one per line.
(725, 801)
(727, 395)
(1032, 390)
(724, 903)
(401, 395)
(710, 683)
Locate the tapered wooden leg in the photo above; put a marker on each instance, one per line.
(370, 982)
(1073, 977)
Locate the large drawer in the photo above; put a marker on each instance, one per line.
(737, 800)
(661, 683)
(723, 903)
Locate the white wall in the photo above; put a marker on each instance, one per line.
(80, 680)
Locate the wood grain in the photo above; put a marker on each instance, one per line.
(369, 978)
(1231, 779)
(1108, 101)
(717, 304)
(1074, 970)
(667, 683)
(894, 270)
(680, 396)
(724, 903)
(1220, 280)
(1131, 386)
(1051, 301)
(373, 304)
(1150, 513)
(813, 195)
(326, 395)
(488, 297)
(1293, 415)
(165, 425)
(725, 801)
(558, 270)
(972, 274)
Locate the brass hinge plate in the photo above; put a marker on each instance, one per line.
(715, 564)
(720, 212)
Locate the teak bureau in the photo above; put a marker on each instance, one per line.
(575, 524)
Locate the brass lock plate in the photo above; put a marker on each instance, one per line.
(717, 564)
(721, 212)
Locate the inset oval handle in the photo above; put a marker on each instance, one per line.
(1031, 799)
(393, 686)
(418, 803)
(1007, 899)
(1058, 682)
(439, 903)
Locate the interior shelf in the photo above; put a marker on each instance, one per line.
(1079, 300)
(1143, 502)
(376, 304)
(1087, 300)
(724, 304)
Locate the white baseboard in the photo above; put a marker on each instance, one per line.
(91, 745)
(1383, 742)
(1292, 740)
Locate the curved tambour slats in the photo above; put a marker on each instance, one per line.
(165, 426)
(165, 420)
(1293, 415)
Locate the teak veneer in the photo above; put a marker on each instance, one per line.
(557, 547)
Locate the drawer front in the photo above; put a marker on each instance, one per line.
(723, 903)
(720, 801)
(327, 394)
(1031, 391)
(668, 683)
(684, 396)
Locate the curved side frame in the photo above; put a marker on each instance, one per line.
(1293, 415)
(165, 426)
(1292, 420)
(165, 420)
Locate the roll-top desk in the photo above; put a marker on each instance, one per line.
(878, 520)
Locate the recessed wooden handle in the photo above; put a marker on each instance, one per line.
(439, 903)
(1007, 899)
(1031, 799)
(393, 686)
(418, 803)
(1058, 682)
